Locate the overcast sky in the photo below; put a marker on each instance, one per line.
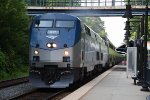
(114, 26)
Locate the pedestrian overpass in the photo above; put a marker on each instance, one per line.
(86, 7)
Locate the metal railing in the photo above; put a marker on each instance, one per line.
(83, 3)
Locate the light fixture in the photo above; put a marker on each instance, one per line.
(66, 53)
(36, 52)
(54, 45)
(49, 45)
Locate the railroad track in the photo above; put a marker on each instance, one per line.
(41, 94)
(12, 82)
(52, 94)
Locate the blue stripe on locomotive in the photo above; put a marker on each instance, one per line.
(67, 36)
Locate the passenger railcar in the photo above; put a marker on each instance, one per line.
(64, 50)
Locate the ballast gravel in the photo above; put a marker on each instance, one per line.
(14, 91)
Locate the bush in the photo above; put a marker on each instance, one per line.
(13, 39)
(3, 60)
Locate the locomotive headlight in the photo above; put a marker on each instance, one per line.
(66, 53)
(48, 45)
(36, 52)
(54, 45)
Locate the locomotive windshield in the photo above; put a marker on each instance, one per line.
(43, 23)
(65, 24)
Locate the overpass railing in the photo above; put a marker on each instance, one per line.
(83, 3)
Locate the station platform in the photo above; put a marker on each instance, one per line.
(111, 85)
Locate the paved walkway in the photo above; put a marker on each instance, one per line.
(114, 86)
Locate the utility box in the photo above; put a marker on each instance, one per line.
(132, 61)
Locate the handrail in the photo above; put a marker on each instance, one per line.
(83, 3)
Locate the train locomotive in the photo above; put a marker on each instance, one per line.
(63, 50)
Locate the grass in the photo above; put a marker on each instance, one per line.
(4, 75)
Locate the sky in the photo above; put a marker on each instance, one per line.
(114, 26)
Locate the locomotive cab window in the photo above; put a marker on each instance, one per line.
(43, 23)
(65, 24)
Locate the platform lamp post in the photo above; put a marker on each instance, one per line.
(128, 15)
(141, 59)
(127, 33)
(145, 85)
(139, 45)
(139, 51)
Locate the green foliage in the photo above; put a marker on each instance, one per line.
(136, 2)
(136, 27)
(16, 73)
(135, 30)
(3, 60)
(96, 24)
(13, 35)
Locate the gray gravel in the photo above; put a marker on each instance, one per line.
(14, 91)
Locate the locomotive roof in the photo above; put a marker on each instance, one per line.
(57, 16)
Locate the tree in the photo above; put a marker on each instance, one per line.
(136, 25)
(135, 29)
(13, 32)
(137, 2)
(96, 24)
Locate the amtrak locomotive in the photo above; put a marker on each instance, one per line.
(63, 50)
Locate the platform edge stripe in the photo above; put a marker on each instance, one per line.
(76, 95)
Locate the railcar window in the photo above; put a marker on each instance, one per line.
(148, 51)
(65, 24)
(148, 59)
(44, 23)
(82, 55)
(101, 56)
(87, 31)
(95, 37)
(105, 44)
(97, 55)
